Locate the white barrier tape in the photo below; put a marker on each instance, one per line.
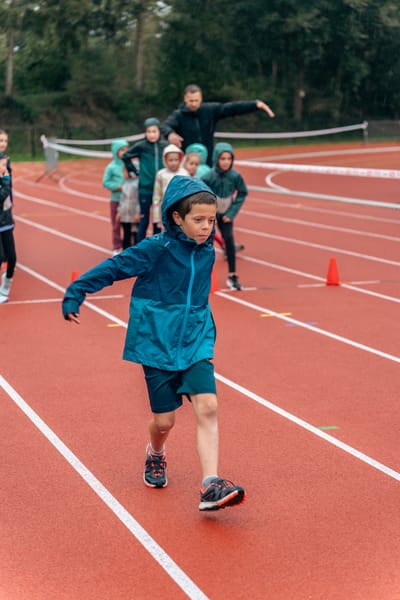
(128, 138)
(292, 134)
(352, 171)
(77, 151)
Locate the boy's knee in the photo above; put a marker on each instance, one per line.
(206, 404)
(164, 422)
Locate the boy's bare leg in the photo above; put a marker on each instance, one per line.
(159, 428)
(205, 408)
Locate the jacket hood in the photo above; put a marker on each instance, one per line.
(172, 148)
(219, 149)
(200, 149)
(117, 145)
(151, 121)
(178, 188)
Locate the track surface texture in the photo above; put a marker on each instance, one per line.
(308, 386)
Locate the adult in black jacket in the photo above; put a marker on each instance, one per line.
(194, 121)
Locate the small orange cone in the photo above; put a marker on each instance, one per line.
(332, 277)
(74, 275)
(214, 281)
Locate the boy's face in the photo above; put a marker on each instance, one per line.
(192, 164)
(172, 161)
(225, 161)
(152, 133)
(3, 142)
(198, 223)
(122, 151)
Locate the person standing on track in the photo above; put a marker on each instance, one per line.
(7, 244)
(171, 332)
(113, 180)
(149, 152)
(194, 121)
(231, 192)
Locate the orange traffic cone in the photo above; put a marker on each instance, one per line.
(332, 277)
(74, 275)
(214, 281)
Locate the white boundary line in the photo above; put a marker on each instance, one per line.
(310, 428)
(152, 547)
(324, 332)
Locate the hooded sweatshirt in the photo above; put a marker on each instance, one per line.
(150, 158)
(201, 150)
(162, 180)
(229, 185)
(114, 172)
(170, 323)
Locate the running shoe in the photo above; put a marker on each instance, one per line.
(155, 470)
(221, 493)
(233, 283)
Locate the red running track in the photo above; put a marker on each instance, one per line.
(308, 388)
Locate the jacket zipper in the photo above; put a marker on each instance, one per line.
(185, 318)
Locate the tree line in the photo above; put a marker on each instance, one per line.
(98, 62)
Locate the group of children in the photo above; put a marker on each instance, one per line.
(138, 177)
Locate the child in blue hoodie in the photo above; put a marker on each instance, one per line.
(171, 331)
(231, 191)
(113, 180)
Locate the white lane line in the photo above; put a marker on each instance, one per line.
(391, 149)
(324, 332)
(243, 257)
(72, 192)
(330, 197)
(297, 206)
(145, 539)
(62, 207)
(347, 286)
(345, 447)
(316, 225)
(65, 236)
(282, 238)
(314, 430)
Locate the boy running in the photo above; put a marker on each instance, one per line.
(171, 331)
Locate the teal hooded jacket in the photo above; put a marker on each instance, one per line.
(170, 322)
(114, 172)
(229, 186)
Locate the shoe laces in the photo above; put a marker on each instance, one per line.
(221, 484)
(157, 464)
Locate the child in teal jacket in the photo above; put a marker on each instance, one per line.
(113, 180)
(171, 332)
(149, 152)
(231, 191)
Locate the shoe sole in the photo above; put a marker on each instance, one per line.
(233, 499)
(155, 485)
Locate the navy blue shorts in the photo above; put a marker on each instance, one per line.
(166, 388)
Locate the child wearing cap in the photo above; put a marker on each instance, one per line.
(173, 159)
(150, 154)
(7, 244)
